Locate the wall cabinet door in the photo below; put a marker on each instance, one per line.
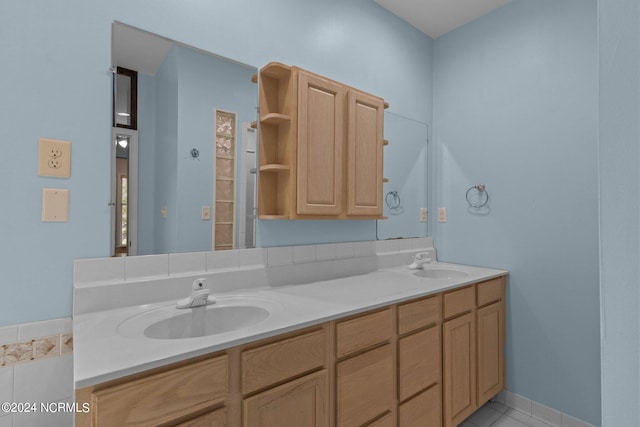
(320, 145)
(302, 402)
(365, 144)
(490, 325)
(459, 368)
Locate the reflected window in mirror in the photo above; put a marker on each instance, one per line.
(124, 211)
(122, 168)
(125, 99)
(225, 172)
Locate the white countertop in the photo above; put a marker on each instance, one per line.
(101, 353)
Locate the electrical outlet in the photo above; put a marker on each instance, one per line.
(442, 214)
(423, 214)
(55, 163)
(54, 158)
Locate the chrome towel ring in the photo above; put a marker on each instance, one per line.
(393, 201)
(483, 196)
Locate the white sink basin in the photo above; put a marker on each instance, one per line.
(171, 323)
(440, 273)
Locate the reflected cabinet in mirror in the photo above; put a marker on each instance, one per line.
(184, 170)
(191, 187)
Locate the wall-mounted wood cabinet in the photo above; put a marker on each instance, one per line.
(321, 148)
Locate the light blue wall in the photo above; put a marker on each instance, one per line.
(57, 85)
(515, 108)
(191, 85)
(206, 83)
(147, 212)
(405, 165)
(619, 144)
(166, 144)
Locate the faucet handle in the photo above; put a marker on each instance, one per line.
(419, 259)
(199, 295)
(199, 284)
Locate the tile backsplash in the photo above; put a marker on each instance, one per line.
(36, 367)
(99, 283)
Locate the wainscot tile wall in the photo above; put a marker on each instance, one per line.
(36, 368)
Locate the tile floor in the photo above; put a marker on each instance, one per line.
(496, 414)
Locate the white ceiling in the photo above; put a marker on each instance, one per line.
(138, 50)
(437, 17)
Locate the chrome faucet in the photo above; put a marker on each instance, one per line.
(199, 296)
(419, 260)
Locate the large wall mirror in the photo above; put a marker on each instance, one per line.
(184, 179)
(193, 183)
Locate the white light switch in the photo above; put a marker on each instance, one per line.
(55, 205)
(423, 214)
(442, 214)
(206, 213)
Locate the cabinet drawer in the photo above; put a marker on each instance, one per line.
(365, 387)
(460, 301)
(419, 362)
(362, 332)
(418, 314)
(164, 396)
(490, 291)
(211, 419)
(301, 402)
(423, 410)
(281, 360)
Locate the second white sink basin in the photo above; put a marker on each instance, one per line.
(171, 323)
(440, 273)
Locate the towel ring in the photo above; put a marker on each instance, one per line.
(482, 194)
(392, 199)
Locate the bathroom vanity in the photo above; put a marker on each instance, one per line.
(388, 348)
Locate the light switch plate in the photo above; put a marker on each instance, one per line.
(423, 214)
(54, 158)
(206, 213)
(55, 205)
(442, 214)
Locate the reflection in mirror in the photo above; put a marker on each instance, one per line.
(196, 149)
(405, 165)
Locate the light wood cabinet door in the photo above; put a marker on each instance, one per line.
(365, 387)
(320, 145)
(365, 144)
(459, 342)
(490, 326)
(419, 365)
(302, 402)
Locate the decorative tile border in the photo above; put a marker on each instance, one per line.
(35, 349)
